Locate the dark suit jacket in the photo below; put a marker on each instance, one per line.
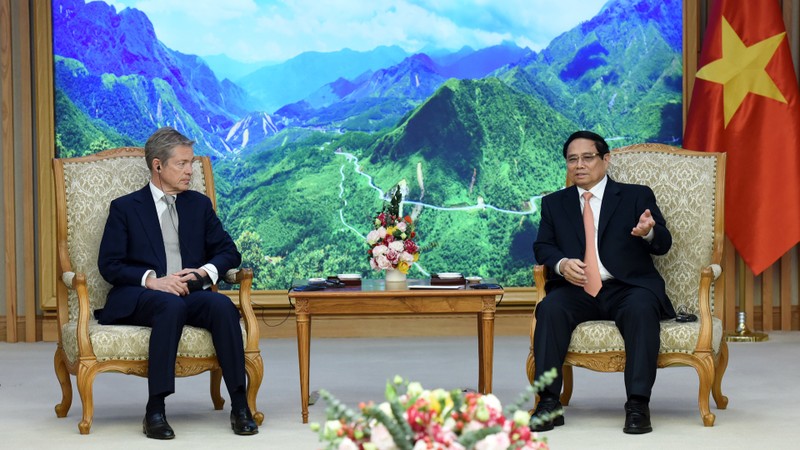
(627, 258)
(132, 244)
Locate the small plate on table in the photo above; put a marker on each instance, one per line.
(316, 281)
(349, 276)
(448, 275)
(473, 279)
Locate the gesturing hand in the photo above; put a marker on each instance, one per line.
(646, 223)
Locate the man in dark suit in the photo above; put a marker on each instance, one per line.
(162, 249)
(611, 278)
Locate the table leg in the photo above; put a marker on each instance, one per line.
(303, 319)
(486, 344)
(480, 352)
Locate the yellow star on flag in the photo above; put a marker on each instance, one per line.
(742, 69)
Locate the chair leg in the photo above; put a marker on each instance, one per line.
(216, 397)
(566, 375)
(719, 372)
(85, 378)
(705, 372)
(60, 364)
(254, 366)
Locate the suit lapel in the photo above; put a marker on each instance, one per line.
(146, 212)
(572, 210)
(611, 198)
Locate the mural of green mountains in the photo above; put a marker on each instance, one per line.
(475, 134)
(619, 74)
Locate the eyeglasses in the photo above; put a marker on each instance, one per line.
(587, 158)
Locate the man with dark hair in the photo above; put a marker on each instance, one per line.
(597, 238)
(162, 249)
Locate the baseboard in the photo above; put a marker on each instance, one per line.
(21, 329)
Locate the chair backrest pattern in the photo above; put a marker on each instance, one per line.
(685, 189)
(91, 183)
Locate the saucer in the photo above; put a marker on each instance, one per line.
(349, 276)
(316, 280)
(473, 279)
(444, 275)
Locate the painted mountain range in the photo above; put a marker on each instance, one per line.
(302, 156)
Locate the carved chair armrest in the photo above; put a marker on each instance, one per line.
(707, 277)
(85, 315)
(244, 278)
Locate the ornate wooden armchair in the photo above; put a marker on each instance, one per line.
(689, 187)
(84, 189)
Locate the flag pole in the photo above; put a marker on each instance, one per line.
(743, 333)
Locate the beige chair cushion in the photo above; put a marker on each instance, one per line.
(598, 336)
(131, 342)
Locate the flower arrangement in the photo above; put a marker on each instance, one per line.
(431, 419)
(391, 242)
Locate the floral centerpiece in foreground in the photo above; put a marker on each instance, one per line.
(431, 419)
(391, 241)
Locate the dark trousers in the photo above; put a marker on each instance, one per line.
(636, 312)
(167, 313)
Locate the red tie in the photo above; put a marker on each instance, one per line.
(593, 283)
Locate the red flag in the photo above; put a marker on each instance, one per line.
(745, 103)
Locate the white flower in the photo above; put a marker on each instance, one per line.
(498, 441)
(373, 237)
(382, 262)
(379, 250)
(381, 438)
(397, 246)
(414, 389)
(347, 444)
(522, 417)
(407, 257)
(331, 429)
(402, 226)
(492, 402)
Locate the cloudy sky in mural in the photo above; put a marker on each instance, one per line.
(274, 31)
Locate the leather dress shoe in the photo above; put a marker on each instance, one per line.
(155, 426)
(242, 422)
(547, 407)
(637, 418)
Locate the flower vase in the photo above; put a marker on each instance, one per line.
(394, 275)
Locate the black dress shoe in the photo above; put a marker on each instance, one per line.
(242, 422)
(543, 415)
(155, 426)
(637, 418)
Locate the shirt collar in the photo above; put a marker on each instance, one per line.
(597, 190)
(156, 192)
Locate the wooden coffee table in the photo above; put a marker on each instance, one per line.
(376, 297)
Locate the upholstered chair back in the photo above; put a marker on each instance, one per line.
(686, 187)
(91, 183)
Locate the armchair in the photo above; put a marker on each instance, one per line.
(689, 187)
(85, 187)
